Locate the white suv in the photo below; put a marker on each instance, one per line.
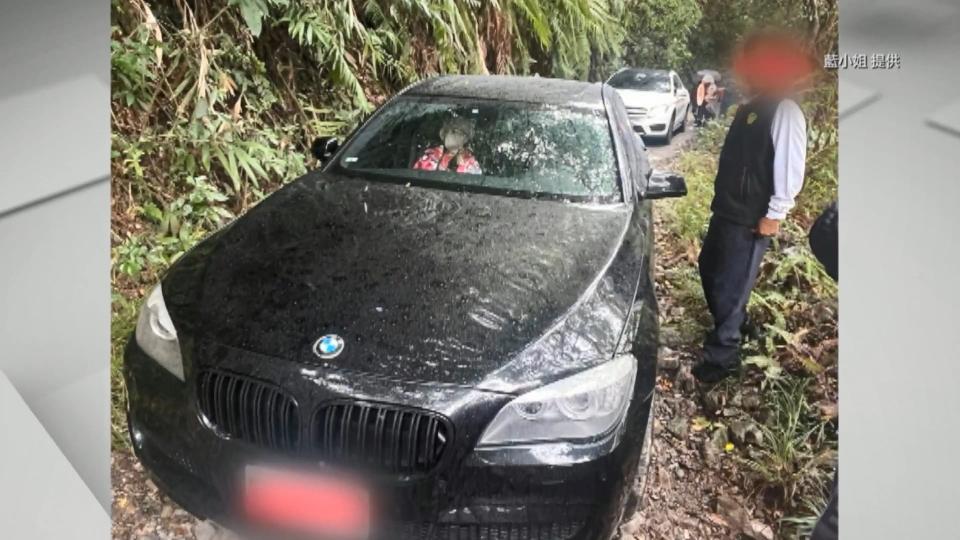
(656, 100)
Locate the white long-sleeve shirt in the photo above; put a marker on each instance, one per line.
(789, 132)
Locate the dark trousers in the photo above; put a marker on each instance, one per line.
(701, 114)
(827, 527)
(729, 263)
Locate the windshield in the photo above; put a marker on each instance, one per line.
(652, 81)
(502, 147)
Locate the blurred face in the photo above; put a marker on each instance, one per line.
(773, 66)
(454, 137)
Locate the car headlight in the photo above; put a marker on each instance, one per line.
(581, 407)
(659, 110)
(157, 335)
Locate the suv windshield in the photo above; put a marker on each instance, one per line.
(503, 147)
(632, 79)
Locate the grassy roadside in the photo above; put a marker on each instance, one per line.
(781, 415)
(123, 322)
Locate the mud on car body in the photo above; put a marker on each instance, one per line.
(437, 354)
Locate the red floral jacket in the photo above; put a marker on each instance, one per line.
(436, 159)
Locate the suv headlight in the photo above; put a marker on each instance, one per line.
(659, 110)
(581, 407)
(156, 334)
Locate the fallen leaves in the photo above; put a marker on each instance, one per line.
(828, 410)
(770, 366)
(700, 423)
(738, 518)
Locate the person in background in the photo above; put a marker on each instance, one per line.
(713, 101)
(453, 154)
(824, 240)
(761, 170)
(706, 92)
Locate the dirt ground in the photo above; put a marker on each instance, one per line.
(693, 485)
(661, 154)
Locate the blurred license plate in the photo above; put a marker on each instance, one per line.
(307, 502)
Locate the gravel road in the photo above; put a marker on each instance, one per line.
(661, 154)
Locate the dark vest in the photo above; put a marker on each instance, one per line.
(744, 182)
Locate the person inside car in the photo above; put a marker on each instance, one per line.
(452, 154)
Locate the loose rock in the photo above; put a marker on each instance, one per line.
(679, 426)
(668, 360)
(685, 380)
(714, 400)
(751, 401)
(632, 526)
(759, 530)
(744, 432)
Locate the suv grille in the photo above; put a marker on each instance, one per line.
(249, 410)
(384, 437)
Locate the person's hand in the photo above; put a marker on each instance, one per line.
(767, 227)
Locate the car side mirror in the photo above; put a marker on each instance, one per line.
(323, 148)
(640, 141)
(664, 185)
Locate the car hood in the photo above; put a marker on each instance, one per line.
(642, 98)
(421, 284)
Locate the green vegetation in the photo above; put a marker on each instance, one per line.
(123, 322)
(722, 23)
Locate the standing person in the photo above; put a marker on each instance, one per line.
(760, 173)
(712, 104)
(824, 240)
(698, 103)
(703, 92)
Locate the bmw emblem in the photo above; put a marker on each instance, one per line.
(329, 346)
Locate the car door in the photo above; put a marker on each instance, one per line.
(681, 97)
(633, 262)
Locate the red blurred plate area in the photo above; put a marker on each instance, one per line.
(307, 502)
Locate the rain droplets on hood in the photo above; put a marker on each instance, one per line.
(437, 284)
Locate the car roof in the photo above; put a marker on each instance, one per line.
(647, 70)
(541, 90)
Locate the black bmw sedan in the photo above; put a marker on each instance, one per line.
(447, 331)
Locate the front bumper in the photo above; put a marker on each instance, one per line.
(477, 495)
(656, 126)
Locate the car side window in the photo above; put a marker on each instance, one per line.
(634, 174)
(676, 83)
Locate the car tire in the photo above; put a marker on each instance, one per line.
(668, 138)
(683, 122)
(634, 498)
